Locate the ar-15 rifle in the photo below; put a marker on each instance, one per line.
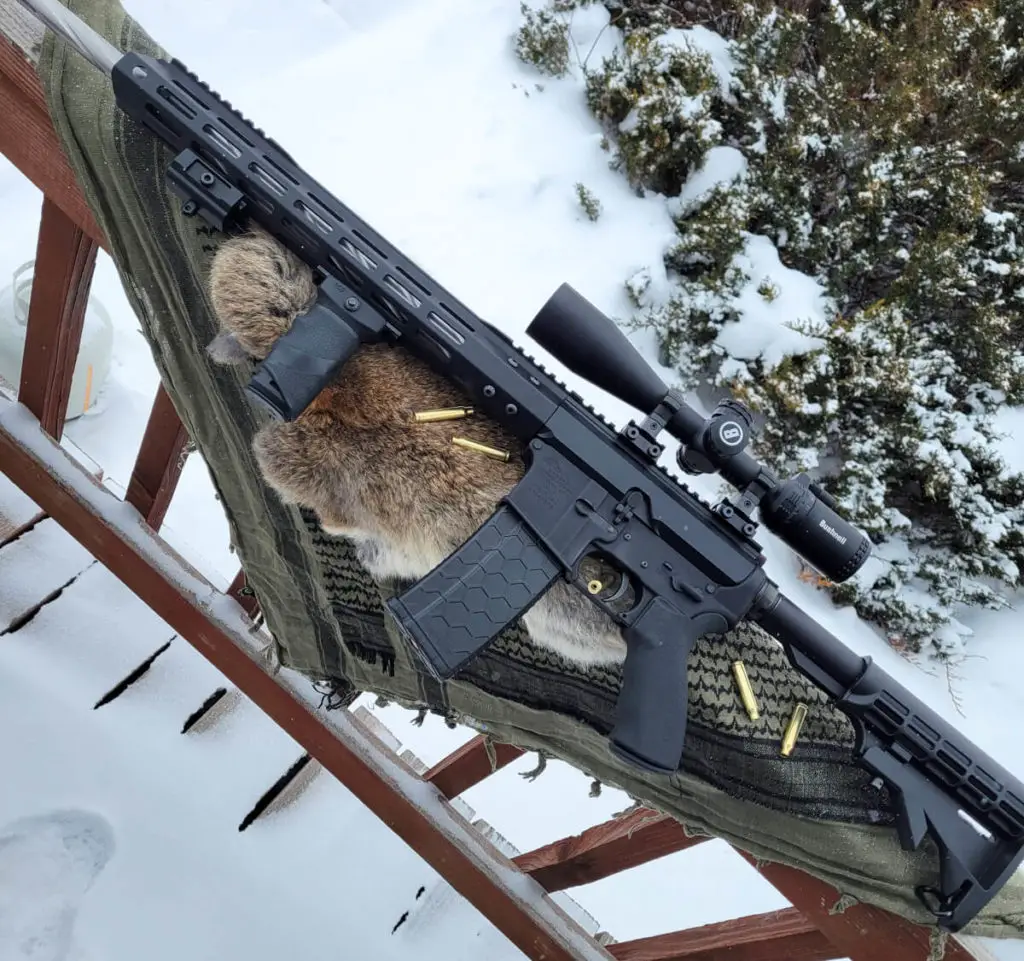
(588, 488)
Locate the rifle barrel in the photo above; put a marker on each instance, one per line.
(791, 625)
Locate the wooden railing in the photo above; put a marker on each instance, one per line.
(68, 242)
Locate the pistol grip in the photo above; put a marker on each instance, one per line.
(456, 610)
(650, 718)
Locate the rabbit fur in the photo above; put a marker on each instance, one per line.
(399, 490)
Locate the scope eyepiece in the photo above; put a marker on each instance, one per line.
(804, 518)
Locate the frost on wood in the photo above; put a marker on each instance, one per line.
(877, 149)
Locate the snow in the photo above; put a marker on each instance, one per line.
(419, 117)
(722, 166)
(33, 567)
(1009, 423)
(131, 828)
(713, 45)
(16, 510)
(764, 326)
(56, 658)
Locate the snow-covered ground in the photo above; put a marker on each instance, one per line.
(119, 834)
(418, 116)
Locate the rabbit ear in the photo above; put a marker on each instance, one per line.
(226, 349)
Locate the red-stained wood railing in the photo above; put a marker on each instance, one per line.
(28, 140)
(468, 766)
(611, 847)
(68, 240)
(240, 591)
(65, 257)
(776, 936)
(860, 931)
(375, 775)
(159, 462)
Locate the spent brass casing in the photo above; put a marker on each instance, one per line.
(595, 586)
(501, 455)
(793, 729)
(739, 671)
(446, 413)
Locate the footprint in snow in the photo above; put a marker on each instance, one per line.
(47, 864)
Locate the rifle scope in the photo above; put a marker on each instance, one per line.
(797, 510)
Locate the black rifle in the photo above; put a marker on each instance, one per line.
(588, 489)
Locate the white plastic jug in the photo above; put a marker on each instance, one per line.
(93, 364)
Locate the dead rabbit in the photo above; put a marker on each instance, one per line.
(400, 490)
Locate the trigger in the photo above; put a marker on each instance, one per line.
(605, 584)
(711, 623)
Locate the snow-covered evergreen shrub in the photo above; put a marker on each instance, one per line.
(657, 100)
(543, 39)
(879, 146)
(590, 205)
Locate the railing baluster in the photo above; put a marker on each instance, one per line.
(468, 766)
(248, 601)
(606, 849)
(65, 258)
(776, 936)
(159, 462)
(861, 932)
